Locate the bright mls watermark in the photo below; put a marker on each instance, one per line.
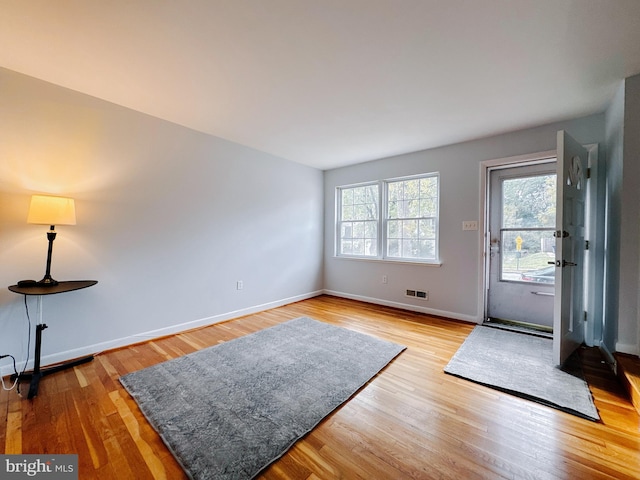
(52, 467)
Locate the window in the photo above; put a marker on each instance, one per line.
(409, 219)
(358, 220)
(412, 218)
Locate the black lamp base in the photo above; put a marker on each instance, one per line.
(47, 281)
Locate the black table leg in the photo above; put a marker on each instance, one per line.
(37, 373)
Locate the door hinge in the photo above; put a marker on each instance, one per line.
(588, 172)
(586, 244)
(585, 315)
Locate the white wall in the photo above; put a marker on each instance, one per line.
(629, 280)
(168, 220)
(454, 286)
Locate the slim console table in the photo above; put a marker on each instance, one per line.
(37, 373)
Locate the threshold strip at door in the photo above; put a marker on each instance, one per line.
(522, 327)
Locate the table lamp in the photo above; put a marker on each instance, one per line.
(49, 210)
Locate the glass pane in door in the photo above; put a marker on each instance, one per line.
(526, 255)
(528, 221)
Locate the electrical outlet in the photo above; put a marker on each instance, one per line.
(385, 279)
(239, 285)
(470, 225)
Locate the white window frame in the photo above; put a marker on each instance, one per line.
(383, 214)
(339, 220)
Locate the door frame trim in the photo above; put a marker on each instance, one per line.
(483, 241)
(593, 303)
(533, 311)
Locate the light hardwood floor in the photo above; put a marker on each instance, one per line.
(411, 421)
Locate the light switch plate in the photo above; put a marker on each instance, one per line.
(470, 225)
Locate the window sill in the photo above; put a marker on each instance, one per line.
(420, 263)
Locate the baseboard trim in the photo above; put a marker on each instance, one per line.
(404, 306)
(628, 348)
(152, 334)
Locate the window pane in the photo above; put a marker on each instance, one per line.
(371, 230)
(358, 229)
(347, 196)
(414, 203)
(358, 220)
(529, 202)
(427, 248)
(411, 189)
(402, 209)
(408, 248)
(358, 247)
(426, 229)
(370, 247)
(393, 210)
(428, 187)
(360, 212)
(346, 230)
(526, 255)
(393, 229)
(347, 212)
(428, 207)
(393, 192)
(372, 194)
(413, 209)
(409, 229)
(393, 247)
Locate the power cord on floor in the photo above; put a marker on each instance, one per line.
(26, 361)
(16, 382)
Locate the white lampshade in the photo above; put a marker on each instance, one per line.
(48, 210)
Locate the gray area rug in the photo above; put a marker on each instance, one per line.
(522, 365)
(228, 411)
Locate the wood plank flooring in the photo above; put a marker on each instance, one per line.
(411, 421)
(629, 375)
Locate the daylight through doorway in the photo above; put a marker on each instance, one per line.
(522, 214)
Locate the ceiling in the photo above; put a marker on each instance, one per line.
(329, 83)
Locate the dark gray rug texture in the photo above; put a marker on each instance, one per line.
(522, 364)
(228, 411)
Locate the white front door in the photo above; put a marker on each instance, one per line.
(569, 315)
(522, 218)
